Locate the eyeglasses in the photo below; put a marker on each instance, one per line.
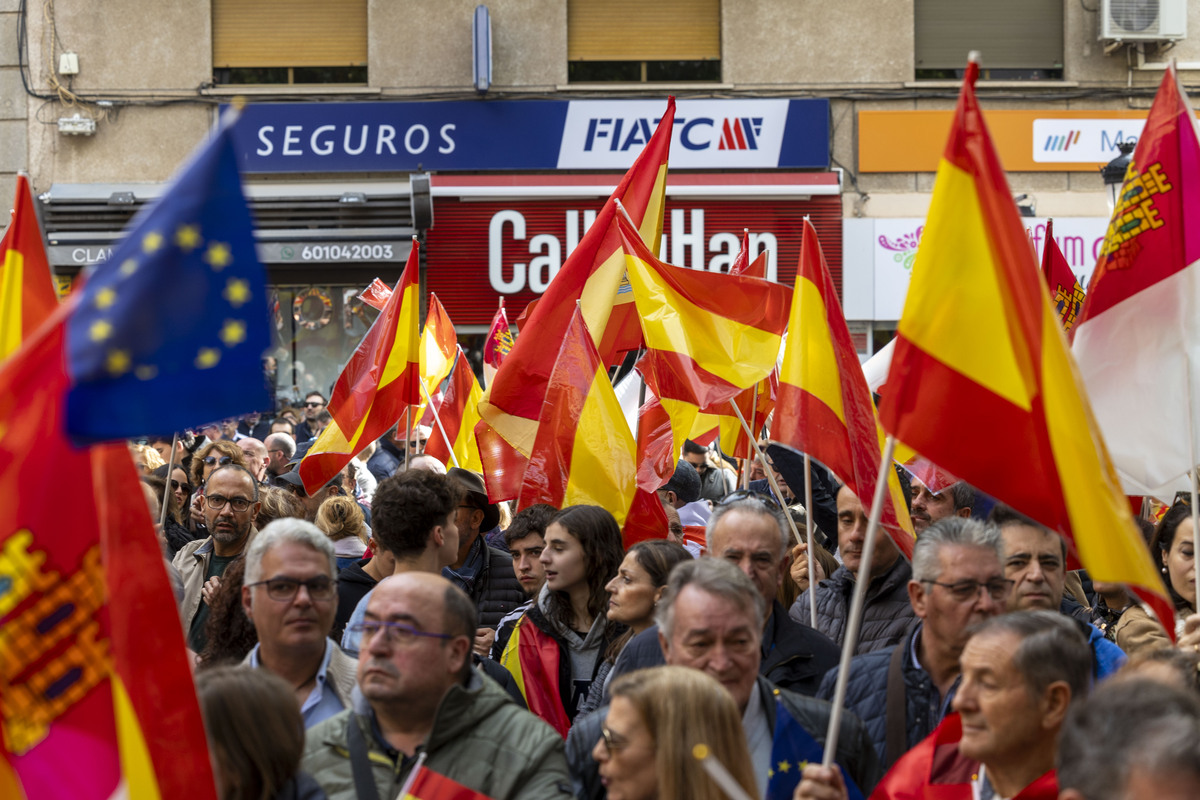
(394, 633)
(963, 591)
(613, 742)
(416, 443)
(186, 487)
(747, 494)
(274, 450)
(284, 589)
(310, 404)
(213, 460)
(216, 502)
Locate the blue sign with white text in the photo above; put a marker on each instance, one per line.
(471, 135)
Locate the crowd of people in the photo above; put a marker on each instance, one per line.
(397, 622)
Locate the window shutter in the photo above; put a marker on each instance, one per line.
(289, 33)
(1010, 34)
(637, 30)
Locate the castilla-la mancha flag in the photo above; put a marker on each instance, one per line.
(380, 381)
(592, 275)
(1138, 338)
(979, 349)
(825, 408)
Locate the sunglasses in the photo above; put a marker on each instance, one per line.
(186, 487)
(313, 405)
(213, 460)
(746, 494)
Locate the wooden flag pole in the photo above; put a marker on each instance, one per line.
(762, 457)
(162, 515)
(437, 419)
(808, 531)
(857, 603)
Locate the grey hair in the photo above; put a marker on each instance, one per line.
(716, 577)
(1137, 722)
(926, 563)
(286, 443)
(1052, 649)
(752, 506)
(287, 529)
(963, 495)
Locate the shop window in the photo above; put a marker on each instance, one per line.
(289, 41)
(1017, 39)
(632, 41)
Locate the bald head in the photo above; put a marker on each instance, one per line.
(256, 456)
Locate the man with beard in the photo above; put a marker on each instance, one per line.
(230, 506)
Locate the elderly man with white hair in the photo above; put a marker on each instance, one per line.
(290, 595)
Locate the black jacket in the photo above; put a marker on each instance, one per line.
(386, 459)
(494, 588)
(353, 585)
(887, 613)
(866, 695)
(854, 750)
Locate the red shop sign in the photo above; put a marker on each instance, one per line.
(479, 251)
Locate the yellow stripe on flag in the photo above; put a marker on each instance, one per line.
(816, 367)
(956, 226)
(11, 302)
(603, 459)
(465, 447)
(406, 340)
(137, 769)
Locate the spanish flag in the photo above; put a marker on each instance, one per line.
(592, 275)
(532, 658)
(458, 418)
(979, 349)
(585, 453)
(708, 336)
(26, 288)
(96, 697)
(430, 785)
(377, 384)
(825, 407)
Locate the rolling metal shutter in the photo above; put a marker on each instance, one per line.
(289, 33)
(636, 30)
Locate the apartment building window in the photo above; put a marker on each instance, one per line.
(289, 41)
(634, 41)
(1018, 39)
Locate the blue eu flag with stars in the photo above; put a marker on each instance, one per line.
(792, 749)
(169, 332)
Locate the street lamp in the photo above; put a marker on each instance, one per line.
(1114, 173)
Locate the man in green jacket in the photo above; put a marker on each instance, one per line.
(419, 701)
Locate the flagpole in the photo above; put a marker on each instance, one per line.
(856, 604)
(770, 475)
(162, 516)
(808, 530)
(719, 773)
(437, 419)
(1187, 373)
(407, 432)
(412, 775)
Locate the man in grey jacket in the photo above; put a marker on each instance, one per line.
(420, 703)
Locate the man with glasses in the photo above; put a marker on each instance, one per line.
(902, 692)
(423, 704)
(314, 404)
(230, 506)
(290, 595)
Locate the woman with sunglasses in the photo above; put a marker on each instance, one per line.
(568, 621)
(210, 456)
(657, 719)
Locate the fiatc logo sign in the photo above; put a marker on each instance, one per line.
(707, 134)
(1082, 141)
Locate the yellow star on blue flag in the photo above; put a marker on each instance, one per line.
(170, 331)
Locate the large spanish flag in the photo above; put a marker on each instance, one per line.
(26, 287)
(458, 418)
(377, 384)
(96, 697)
(585, 453)
(825, 407)
(592, 275)
(980, 353)
(708, 336)
(1138, 338)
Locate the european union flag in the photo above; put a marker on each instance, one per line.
(792, 749)
(170, 331)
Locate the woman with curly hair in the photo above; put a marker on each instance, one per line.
(210, 456)
(342, 521)
(276, 504)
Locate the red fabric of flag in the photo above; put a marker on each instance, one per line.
(1065, 292)
(430, 785)
(27, 295)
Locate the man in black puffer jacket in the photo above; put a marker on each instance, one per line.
(901, 693)
(887, 613)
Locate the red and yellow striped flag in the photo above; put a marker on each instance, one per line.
(96, 697)
(26, 288)
(708, 336)
(591, 275)
(377, 384)
(458, 415)
(825, 407)
(584, 453)
(980, 353)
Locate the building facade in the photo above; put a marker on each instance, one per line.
(493, 135)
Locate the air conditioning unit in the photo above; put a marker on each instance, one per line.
(1143, 20)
